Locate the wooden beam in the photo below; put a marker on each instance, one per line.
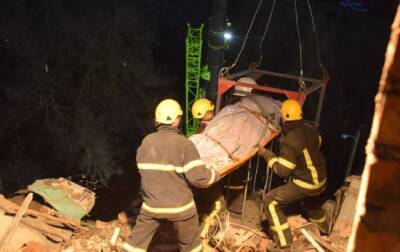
(377, 223)
(12, 208)
(7, 236)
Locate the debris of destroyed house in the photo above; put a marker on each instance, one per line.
(229, 234)
(65, 196)
(42, 228)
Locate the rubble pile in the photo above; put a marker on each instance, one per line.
(235, 237)
(47, 230)
(29, 226)
(232, 236)
(97, 237)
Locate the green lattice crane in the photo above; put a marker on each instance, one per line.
(193, 90)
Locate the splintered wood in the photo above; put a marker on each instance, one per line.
(14, 224)
(11, 208)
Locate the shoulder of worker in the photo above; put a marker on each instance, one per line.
(300, 134)
(298, 126)
(309, 130)
(162, 134)
(294, 134)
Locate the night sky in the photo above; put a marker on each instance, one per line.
(80, 79)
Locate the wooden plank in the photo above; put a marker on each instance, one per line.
(14, 224)
(321, 241)
(347, 210)
(311, 239)
(390, 125)
(12, 208)
(47, 229)
(377, 225)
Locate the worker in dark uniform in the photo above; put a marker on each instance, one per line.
(301, 159)
(203, 109)
(169, 165)
(210, 202)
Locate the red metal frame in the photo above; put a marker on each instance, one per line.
(226, 82)
(224, 85)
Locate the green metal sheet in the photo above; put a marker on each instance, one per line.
(59, 197)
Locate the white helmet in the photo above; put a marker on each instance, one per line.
(243, 91)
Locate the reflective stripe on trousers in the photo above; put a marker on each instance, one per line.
(168, 210)
(197, 249)
(130, 248)
(277, 226)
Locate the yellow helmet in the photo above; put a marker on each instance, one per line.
(291, 110)
(200, 108)
(167, 111)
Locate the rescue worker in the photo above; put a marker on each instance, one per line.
(210, 201)
(301, 159)
(203, 109)
(169, 165)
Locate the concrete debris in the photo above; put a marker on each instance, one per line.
(123, 218)
(43, 229)
(98, 236)
(344, 229)
(229, 235)
(348, 207)
(296, 221)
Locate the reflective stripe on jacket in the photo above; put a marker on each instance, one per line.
(169, 164)
(300, 156)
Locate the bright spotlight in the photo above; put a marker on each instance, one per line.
(227, 36)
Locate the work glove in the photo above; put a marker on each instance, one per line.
(265, 153)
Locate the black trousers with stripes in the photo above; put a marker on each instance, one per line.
(187, 231)
(236, 187)
(283, 196)
(206, 198)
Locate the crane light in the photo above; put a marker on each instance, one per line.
(227, 35)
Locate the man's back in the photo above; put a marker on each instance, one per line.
(167, 163)
(301, 141)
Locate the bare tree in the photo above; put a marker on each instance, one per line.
(81, 87)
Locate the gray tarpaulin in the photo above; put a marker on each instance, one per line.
(236, 129)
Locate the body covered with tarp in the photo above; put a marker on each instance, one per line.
(236, 129)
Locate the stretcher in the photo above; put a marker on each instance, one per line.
(223, 171)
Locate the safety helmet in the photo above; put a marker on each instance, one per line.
(291, 110)
(167, 111)
(200, 108)
(243, 91)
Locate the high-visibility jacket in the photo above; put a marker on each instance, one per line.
(169, 165)
(300, 156)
